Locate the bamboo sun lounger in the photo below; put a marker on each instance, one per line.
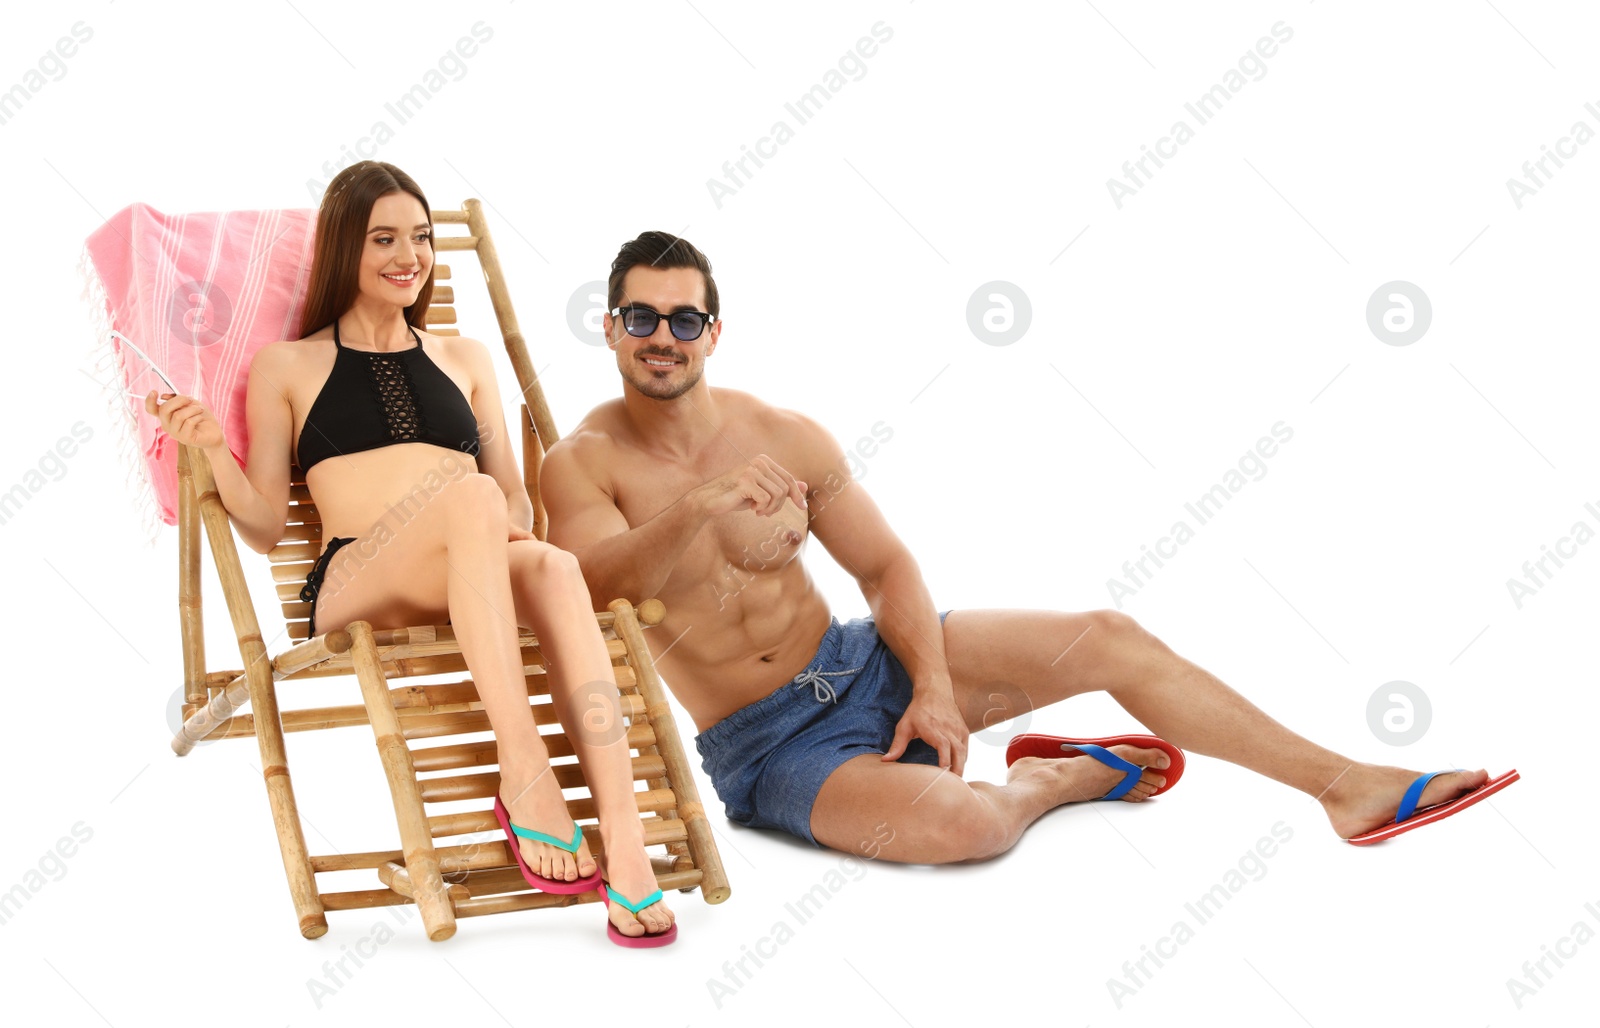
(414, 724)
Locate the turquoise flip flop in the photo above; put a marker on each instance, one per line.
(539, 881)
(645, 941)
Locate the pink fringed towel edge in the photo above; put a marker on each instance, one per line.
(199, 294)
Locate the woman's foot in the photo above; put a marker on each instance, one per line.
(1367, 796)
(534, 801)
(628, 874)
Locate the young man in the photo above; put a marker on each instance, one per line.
(848, 735)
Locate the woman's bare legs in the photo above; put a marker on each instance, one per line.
(553, 600)
(451, 553)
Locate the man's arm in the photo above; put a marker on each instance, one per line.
(635, 562)
(856, 534)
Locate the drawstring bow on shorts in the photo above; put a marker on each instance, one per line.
(818, 680)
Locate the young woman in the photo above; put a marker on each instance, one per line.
(404, 447)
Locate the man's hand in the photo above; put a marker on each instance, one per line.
(933, 718)
(761, 486)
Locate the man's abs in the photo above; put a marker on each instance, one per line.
(722, 649)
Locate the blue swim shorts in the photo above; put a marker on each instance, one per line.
(768, 760)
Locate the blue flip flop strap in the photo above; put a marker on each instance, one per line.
(1408, 802)
(529, 833)
(654, 897)
(1106, 757)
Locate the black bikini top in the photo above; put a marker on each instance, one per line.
(379, 399)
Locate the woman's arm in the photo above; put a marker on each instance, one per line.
(496, 456)
(258, 503)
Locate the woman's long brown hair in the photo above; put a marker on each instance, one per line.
(341, 236)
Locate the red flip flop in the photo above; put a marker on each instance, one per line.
(1034, 745)
(1409, 817)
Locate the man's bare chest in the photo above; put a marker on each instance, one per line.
(743, 539)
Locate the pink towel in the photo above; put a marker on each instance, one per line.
(199, 294)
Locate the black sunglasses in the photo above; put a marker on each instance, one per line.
(686, 326)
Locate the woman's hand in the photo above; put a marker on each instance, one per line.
(185, 419)
(518, 533)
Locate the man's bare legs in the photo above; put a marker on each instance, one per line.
(913, 813)
(1003, 663)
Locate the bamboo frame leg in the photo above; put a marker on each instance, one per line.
(210, 717)
(703, 846)
(263, 700)
(516, 347)
(280, 796)
(190, 618)
(678, 858)
(422, 863)
(197, 727)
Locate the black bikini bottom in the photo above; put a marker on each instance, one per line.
(314, 580)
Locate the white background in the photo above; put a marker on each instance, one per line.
(1227, 295)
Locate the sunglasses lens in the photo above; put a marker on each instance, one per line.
(639, 321)
(686, 326)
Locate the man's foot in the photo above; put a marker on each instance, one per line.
(1076, 779)
(535, 802)
(628, 873)
(1367, 796)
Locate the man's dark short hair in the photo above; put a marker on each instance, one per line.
(660, 250)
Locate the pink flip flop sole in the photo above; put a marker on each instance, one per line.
(534, 878)
(1034, 745)
(646, 941)
(1437, 812)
